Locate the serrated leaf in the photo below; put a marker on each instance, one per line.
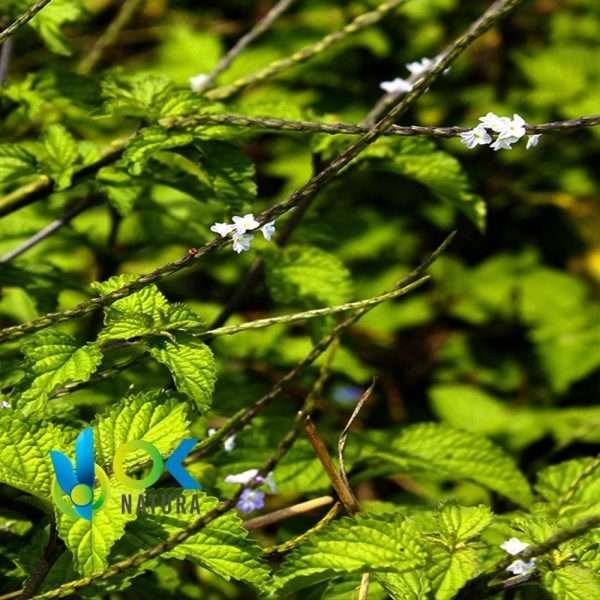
(156, 417)
(230, 172)
(307, 275)
(223, 546)
(90, 542)
(404, 586)
(55, 359)
(15, 163)
(571, 487)
(191, 363)
(572, 583)
(463, 523)
(451, 570)
(449, 453)
(350, 545)
(49, 21)
(25, 452)
(61, 154)
(150, 141)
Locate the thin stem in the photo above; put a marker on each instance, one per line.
(33, 10)
(352, 129)
(5, 56)
(332, 514)
(258, 29)
(361, 22)
(286, 513)
(363, 592)
(366, 396)
(344, 493)
(47, 231)
(125, 14)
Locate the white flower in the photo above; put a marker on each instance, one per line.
(198, 81)
(533, 140)
(242, 478)
(229, 443)
(502, 144)
(476, 137)
(396, 86)
(513, 129)
(419, 67)
(271, 482)
(494, 122)
(242, 242)
(514, 546)
(245, 223)
(4, 404)
(223, 229)
(521, 567)
(268, 229)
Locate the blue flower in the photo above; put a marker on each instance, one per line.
(251, 500)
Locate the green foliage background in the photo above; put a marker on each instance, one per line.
(484, 423)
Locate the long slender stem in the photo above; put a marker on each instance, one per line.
(352, 129)
(125, 14)
(5, 56)
(258, 29)
(361, 22)
(33, 10)
(290, 511)
(47, 231)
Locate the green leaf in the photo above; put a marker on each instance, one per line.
(90, 542)
(147, 96)
(230, 172)
(307, 275)
(49, 21)
(15, 163)
(444, 452)
(55, 359)
(191, 363)
(142, 313)
(223, 546)
(572, 583)
(61, 154)
(463, 523)
(25, 452)
(353, 545)
(571, 488)
(156, 417)
(150, 141)
(451, 570)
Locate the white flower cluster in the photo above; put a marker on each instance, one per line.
(242, 240)
(416, 69)
(509, 131)
(518, 567)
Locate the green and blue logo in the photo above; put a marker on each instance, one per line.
(78, 481)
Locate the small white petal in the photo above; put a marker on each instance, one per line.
(513, 546)
(229, 443)
(242, 243)
(420, 66)
(268, 229)
(197, 82)
(245, 223)
(396, 86)
(271, 482)
(4, 404)
(533, 140)
(223, 229)
(503, 144)
(242, 478)
(494, 122)
(521, 567)
(211, 431)
(476, 137)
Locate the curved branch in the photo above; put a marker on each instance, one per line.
(33, 10)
